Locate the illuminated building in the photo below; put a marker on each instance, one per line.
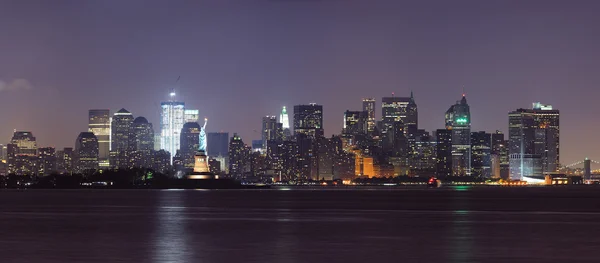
(64, 160)
(218, 146)
(345, 166)
(99, 124)
(22, 153)
(307, 156)
(363, 165)
(86, 153)
(355, 122)
(308, 119)
(121, 140)
(289, 160)
(399, 109)
(237, 156)
(534, 141)
(190, 143)
(481, 154)
(327, 153)
(369, 106)
(142, 139)
(46, 160)
(285, 124)
(499, 152)
(191, 115)
(3, 153)
(458, 120)
(444, 153)
(172, 118)
(271, 131)
(421, 157)
(161, 161)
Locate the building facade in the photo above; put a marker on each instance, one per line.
(86, 153)
(121, 140)
(458, 120)
(99, 125)
(308, 119)
(172, 118)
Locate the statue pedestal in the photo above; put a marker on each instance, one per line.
(201, 169)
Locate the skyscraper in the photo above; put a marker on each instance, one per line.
(218, 143)
(22, 153)
(121, 141)
(86, 153)
(172, 118)
(285, 124)
(403, 109)
(142, 140)
(270, 131)
(481, 154)
(99, 125)
(444, 152)
(499, 152)
(64, 160)
(191, 115)
(308, 119)
(237, 156)
(190, 143)
(355, 122)
(534, 141)
(369, 106)
(458, 119)
(46, 160)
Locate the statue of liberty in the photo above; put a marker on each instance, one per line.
(202, 147)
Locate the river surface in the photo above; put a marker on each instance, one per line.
(458, 224)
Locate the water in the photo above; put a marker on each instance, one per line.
(352, 225)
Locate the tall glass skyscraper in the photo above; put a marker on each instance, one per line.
(404, 109)
(172, 118)
(369, 107)
(458, 120)
(308, 119)
(285, 124)
(99, 125)
(121, 140)
(534, 141)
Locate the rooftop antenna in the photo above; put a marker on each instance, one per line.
(172, 93)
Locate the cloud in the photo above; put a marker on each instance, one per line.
(15, 84)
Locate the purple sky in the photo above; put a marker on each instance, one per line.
(241, 60)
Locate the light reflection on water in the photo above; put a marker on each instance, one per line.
(170, 241)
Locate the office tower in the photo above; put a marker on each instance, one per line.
(289, 160)
(345, 166)
(369, 106)
(86, 153)
(328, 150)
(64, 160)
(121, 139)
(191, 115)
(422, 157)
(403, 109)
(189, 143)
(499, 151)
(481, 145)
(142, 140)
(46, 160)
(3, 153)
(161, 161)
(355, 122)
(237, 156)
(22, 153)
(270, 131)
(157, 141)
(444, 152)
(308, 119)
(458, 119)
(172, 118)
(285, 124)
(534, 141)
(99, 125)
(218, 143)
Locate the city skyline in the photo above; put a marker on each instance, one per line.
(504, 60)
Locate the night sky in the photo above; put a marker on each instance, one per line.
(241, 60)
